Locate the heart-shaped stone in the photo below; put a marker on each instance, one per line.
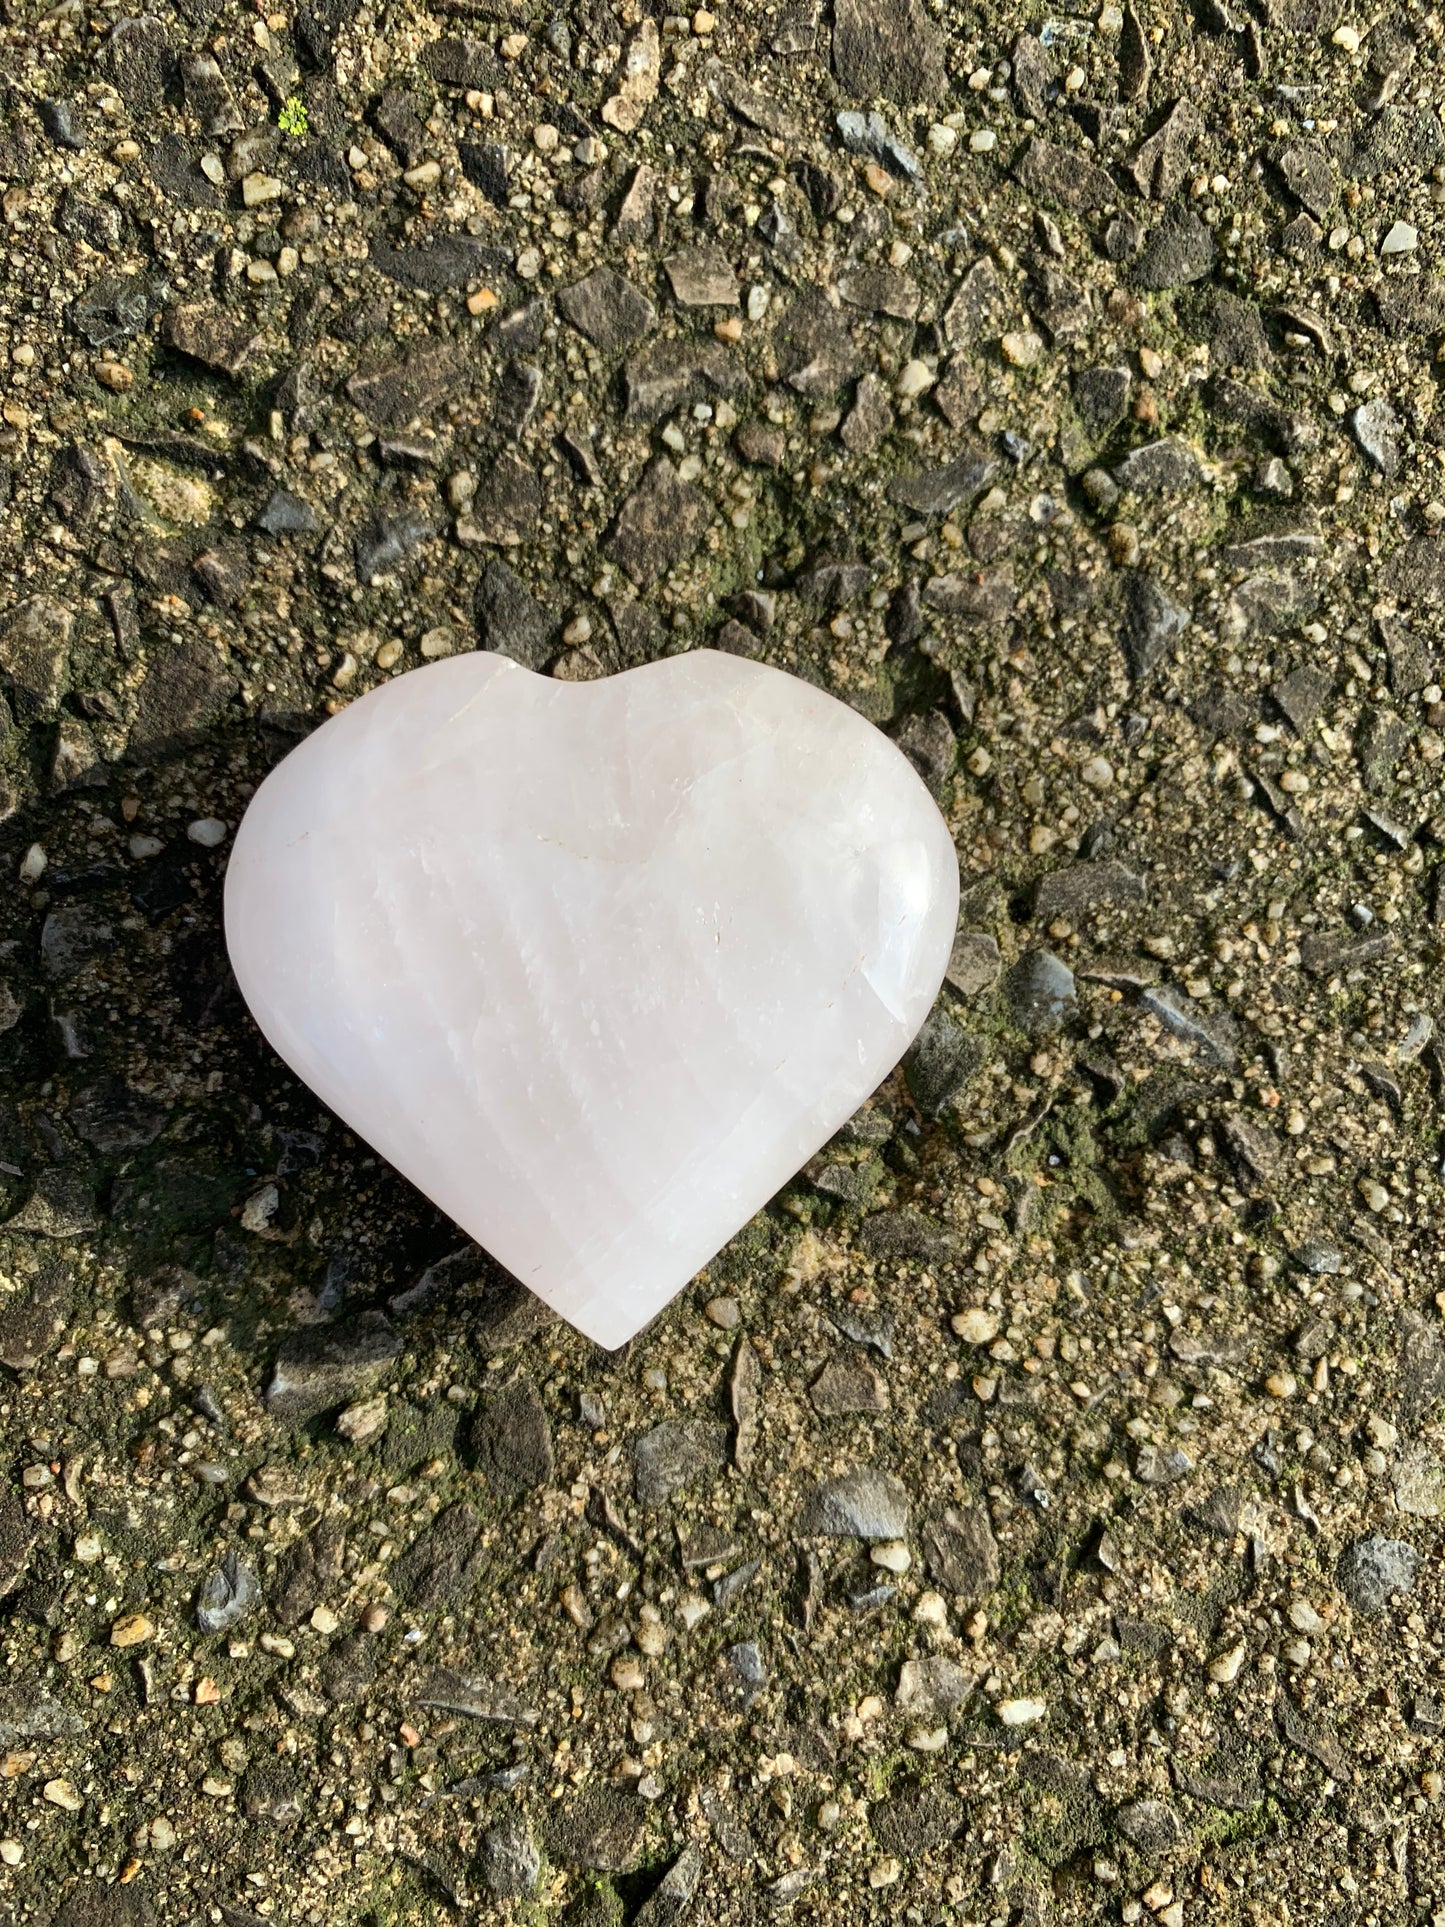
(596, 965)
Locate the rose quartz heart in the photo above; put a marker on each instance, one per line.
(596, 965)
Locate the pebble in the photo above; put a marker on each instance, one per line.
(1020, 1712)
(1225, 1668)
(1022, 349)
(864, 1504)
(363, 1421)
(257, 190)
(132, 1629)
(208, 831)
(893, 1556)
(510, 1862)
(976, 1326)
(1372, 1570)
(915, 379)
(226, 1597)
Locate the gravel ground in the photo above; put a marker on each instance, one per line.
(1032, 1516)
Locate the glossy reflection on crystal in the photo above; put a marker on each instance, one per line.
(597, 966)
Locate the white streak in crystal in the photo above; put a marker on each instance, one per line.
(597, 966)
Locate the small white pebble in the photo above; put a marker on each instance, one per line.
(33, 863)
(1348, 38)
(436, 642)
(1022, 348)
(1402, 239)
(258, 189)
(1020, 1712)
(942, 140)
(208, 831)
(626, 1674)
(892, 1555)
(976, 1326)
(932, 1610)
(915, 379)
(1225, 1669)
(141, 847)
(11, 1852)
(984, 141)
(1304, 1618)
(545, 138)
(926, 1739)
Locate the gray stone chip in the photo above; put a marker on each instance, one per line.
(863, 1504)
(1372, 1570)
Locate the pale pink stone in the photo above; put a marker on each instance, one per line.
(596, 965)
